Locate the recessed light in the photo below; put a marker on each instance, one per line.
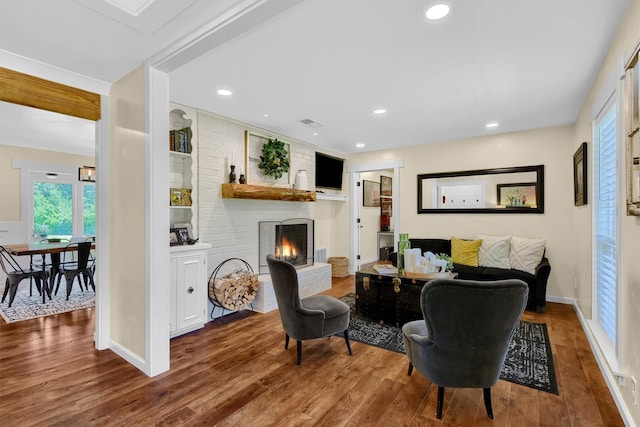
(437, 11)
(379, 111)
(266, 115)
(224, 92)
(491, 125)
(315, 134)
(361, 145)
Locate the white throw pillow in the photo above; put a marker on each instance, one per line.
(526, 254)
(494, 251)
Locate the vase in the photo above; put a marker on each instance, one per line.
(232, 175)
(301, 182)
(403, 244)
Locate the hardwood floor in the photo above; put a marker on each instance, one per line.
(238, 373)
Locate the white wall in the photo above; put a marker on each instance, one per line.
(552, 147)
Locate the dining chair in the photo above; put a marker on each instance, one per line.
(16, 274)
(40, 262)
(81, 267)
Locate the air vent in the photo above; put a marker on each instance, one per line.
(311, 123)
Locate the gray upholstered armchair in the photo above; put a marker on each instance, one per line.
(317, 316)
(464, 337)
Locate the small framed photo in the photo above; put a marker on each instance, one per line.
(183, 234)
(580, 176)
(180, 197)
(174, 238)
(370, 193)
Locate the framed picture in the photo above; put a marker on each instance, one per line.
(174, 238)
(370, 193)
(183, 234)
(517, 195)
(180, 197)
(580, 176)
(386, 186)
(253, 144)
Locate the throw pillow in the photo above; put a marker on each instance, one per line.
(526, 254)
(465, 251)
(494, 251)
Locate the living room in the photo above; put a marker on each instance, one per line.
(566, 228)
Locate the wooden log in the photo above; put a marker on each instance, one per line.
(263, 192)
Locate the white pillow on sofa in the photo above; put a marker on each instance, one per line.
(526, 254)
(494, 251)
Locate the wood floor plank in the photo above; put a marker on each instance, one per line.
(238, 373)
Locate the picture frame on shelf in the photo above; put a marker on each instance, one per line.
(174, 238)
(179, 225)
(370, 194)
(580, 176)
(180, 197)
(183, 234)
(517, 195)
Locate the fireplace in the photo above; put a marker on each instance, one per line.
(290, 240)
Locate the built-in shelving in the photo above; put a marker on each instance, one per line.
(260, 192)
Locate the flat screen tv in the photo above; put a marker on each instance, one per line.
(328, 171)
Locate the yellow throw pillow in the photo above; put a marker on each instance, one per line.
(465, 251)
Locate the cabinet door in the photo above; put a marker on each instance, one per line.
(190, 299)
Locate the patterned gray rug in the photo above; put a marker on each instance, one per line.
(529, 360)
(28, 307)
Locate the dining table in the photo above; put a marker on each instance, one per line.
(53, 249)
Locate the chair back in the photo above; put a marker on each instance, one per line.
(84, 257)
(285, 285)
(470, 325)
(8, 262)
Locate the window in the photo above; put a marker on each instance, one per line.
(604, 322)
(60, 205)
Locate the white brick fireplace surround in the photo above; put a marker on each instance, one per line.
(231, 225)
(311, 280)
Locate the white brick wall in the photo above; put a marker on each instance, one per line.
(230, 226)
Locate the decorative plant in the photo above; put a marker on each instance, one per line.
(274, 161)
(448, 259)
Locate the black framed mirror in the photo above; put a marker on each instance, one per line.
(517, 189)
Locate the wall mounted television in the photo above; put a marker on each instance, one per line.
(328, 171)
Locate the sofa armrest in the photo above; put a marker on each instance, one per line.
(543, 270)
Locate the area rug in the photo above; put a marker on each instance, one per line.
(26, 307)
(529, 361)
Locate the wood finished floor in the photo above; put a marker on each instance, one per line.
(238, 374)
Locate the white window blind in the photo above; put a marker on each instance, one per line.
(605, 221)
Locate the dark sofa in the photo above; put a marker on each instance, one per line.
(537, 283)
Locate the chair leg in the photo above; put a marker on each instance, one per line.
(346, 339)
(410, 370)
(286, 341)
(487, 402)
(13, 288)
(6, 289)
(440, 401)
(299, 346)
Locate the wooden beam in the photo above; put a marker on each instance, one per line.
(246, 191)
(23, 89)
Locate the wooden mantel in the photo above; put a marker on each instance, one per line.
(262, 192)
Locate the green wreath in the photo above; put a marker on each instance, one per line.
(274, 161)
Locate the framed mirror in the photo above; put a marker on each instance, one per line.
(502, 190)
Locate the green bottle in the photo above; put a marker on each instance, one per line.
(403, 244)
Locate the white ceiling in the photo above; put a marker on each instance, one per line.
(523, 64)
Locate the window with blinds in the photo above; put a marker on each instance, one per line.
(605, 221)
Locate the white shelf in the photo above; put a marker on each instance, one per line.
(179, 154)
(333, 197)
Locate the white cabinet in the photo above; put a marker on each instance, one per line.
(188, 291)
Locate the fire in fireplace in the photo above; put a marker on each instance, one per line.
(290, 240)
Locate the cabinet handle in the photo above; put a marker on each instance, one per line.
(190, 290)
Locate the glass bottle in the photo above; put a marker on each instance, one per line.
(403, 244)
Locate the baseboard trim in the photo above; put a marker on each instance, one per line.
(561, 300)
(130, 357)
(608, 375)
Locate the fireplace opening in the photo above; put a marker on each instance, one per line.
(290, 240)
